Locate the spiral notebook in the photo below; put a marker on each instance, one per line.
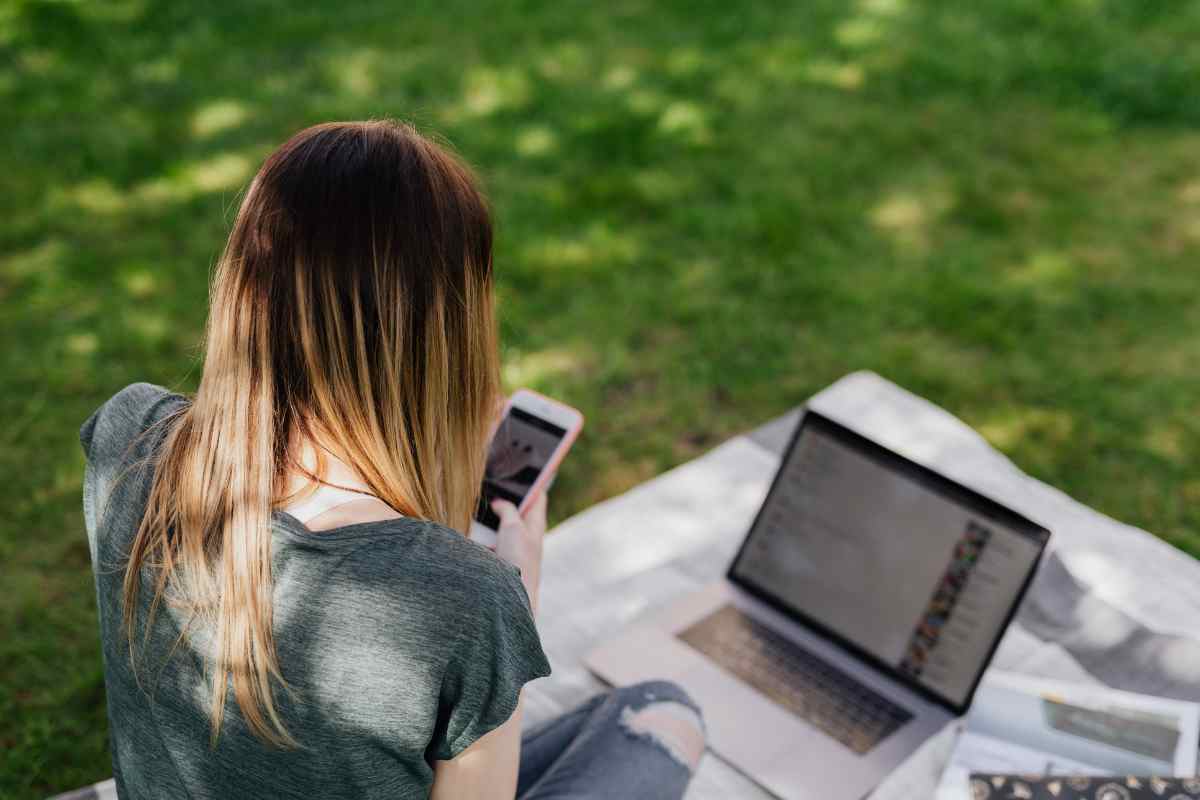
(1125, 787)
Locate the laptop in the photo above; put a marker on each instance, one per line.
(854, 623)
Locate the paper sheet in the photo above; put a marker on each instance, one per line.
(1033, 726)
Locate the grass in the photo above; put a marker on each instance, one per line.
(706, 213)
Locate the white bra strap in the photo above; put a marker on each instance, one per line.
(323, 499)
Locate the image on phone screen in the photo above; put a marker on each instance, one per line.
(520, 450)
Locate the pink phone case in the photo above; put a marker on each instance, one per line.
(559, 452)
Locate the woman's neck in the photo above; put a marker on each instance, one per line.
(336, 471)
(339, 473)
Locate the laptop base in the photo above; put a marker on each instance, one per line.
(780, 750)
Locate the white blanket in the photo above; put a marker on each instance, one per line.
(1111, 604)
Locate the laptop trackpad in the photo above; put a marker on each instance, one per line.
(793, 677)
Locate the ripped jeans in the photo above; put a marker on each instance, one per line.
(637, 742)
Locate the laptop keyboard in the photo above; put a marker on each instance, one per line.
(809, 687)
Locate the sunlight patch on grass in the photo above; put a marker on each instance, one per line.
(1166, 440)
(158, 70)
(684, 61)
(1189, 193)
(619, 77)
(555, 252)
(1028, 426)
(221, 172)
(698, 278)
(487, 90)
(43, 259)
(686, 120)
(160, 190)
(870, 26)
(1183, 228)
(536, 140)
(1045, 270)
(908, 215)
(218, 116)
(660, 185)
(355, 72)
(646, 101)
(139, 283)
(8, 22)
(98, 196)
(565, 61)
(82, 344)
(39, 62)
(1180, 238)
(1189, 230)
(598, 245)
(887, 8)
(900, 211)
(859, 32)
(151, 327)
(534, 369)
(840, 75)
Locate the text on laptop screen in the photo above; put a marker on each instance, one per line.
(918, 577)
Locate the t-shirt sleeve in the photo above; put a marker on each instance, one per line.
(111, 427)
(112, 440)
(498, 651)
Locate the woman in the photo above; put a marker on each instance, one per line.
(288, 605)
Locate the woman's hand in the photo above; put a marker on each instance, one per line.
(519, 541)
(489, 767)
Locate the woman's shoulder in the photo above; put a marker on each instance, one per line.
(109, 429)
(441, 557)
(421, 583)
(432, 574)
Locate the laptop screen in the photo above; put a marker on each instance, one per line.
(907, 566)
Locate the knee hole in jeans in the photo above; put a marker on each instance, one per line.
(671, 725)
(646, 691)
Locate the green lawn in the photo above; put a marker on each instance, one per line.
(705, 214)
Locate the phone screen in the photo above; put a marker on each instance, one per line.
(520, 450)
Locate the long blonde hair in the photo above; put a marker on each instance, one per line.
(353, 301)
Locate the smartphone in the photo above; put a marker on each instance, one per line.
(531, 438)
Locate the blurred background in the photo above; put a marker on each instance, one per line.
(706, 212)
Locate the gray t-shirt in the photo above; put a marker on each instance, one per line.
(402, 641)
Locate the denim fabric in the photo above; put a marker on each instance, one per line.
(588, 753)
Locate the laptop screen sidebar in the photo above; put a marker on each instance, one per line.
(916, 575)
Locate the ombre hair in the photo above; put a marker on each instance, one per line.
(352, 305)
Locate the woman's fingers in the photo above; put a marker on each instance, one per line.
(519, 541)
(535, 515)
(507, 512)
